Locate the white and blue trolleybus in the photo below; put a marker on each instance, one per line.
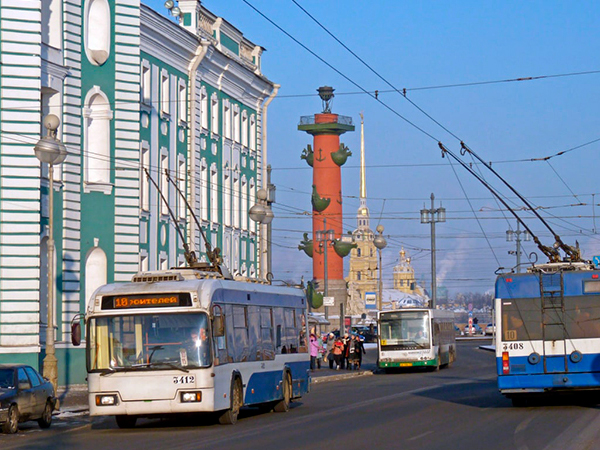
(188, 340)
(548, 330)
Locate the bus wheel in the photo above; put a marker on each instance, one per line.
(126, 421)
(230, 416)
(283, 405)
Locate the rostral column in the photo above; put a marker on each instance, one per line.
(326, 160)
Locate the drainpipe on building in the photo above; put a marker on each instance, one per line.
(265, 248)
(199, 56)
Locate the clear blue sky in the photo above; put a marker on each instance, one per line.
(425, 44)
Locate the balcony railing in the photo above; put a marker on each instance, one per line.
(310, 120)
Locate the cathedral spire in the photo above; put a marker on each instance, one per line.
(363, 174)
(363, 211)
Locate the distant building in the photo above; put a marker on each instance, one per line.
(133, 91)
(404, 276)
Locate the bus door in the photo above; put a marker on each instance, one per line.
(554, 333)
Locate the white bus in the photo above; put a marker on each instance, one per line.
(415, 337)
(185, 340)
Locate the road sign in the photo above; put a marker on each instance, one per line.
(596, 260)
(370, 300)
(328, 301)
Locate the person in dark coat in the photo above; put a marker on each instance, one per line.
(355, 352)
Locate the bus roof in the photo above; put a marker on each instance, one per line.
(207, 288)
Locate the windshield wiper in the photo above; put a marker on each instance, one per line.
(112, 370)
(160, 363)
(414, 342)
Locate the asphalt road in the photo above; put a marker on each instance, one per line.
(455, 408)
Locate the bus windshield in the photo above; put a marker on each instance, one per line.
(148, 342)
(405, 329)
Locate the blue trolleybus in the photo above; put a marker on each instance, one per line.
(186, 340)
(548, 323)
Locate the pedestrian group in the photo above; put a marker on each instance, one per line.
(339, 352)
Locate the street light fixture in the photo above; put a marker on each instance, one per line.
(262, 213)
(510, 234)
(380, 243)
(51, 151)
(325, 238)
(432, 216)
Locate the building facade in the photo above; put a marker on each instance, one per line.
(136, 94)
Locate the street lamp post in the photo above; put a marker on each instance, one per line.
(510, 234)
(262, 214)
(51, 151)
(380, 243)
(432, 216)
(325, 238)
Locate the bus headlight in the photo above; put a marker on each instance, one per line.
(191, 397)
(106, 400)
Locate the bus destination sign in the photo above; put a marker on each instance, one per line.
(146, 301)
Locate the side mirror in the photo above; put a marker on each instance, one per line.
(218, 326)
(76, 333)
(24, 386)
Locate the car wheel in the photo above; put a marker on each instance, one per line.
(126, 421)
(46, 420)
(11, 425)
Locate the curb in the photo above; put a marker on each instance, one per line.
(341, 376)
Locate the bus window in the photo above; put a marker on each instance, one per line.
(240, 334)
(582, 317)
(291, 332)
(522, 319)
(266, 333)
(301, 326)
(254, 338)
(279, 322)
(220, 347)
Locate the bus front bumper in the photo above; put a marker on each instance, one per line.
(403, 364)
(111, 403)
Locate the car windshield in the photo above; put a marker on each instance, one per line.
(7, 378)
(149, 342)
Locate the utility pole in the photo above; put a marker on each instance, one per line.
(432, 216)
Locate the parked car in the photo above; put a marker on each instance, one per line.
(24, 395)
(476, 329)
(366, 334)
(490, 328)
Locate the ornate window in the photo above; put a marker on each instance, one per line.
(203, 108)
(245, 128)
(214, 114)
(252, 132)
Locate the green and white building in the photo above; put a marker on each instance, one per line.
(134, 91)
